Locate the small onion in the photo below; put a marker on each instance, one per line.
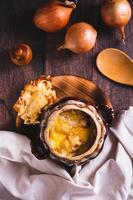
(80, 38)
(21, 54)
(54, 16)
(116, 14)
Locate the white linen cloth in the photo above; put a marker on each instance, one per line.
(107, 177)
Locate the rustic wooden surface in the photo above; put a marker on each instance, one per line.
(16, 26)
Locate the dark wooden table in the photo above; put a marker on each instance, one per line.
(16, 27)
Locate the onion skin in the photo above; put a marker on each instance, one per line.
(53, 17)
(80, 38)
(116, 14)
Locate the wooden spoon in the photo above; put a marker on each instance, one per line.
(116, 65)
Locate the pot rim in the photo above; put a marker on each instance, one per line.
(89, 110)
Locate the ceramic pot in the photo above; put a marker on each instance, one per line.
(71, 132)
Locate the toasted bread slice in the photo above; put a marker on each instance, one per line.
(36, 96)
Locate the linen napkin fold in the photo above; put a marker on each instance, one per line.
(107, 177)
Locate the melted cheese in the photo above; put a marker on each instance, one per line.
(70, 132)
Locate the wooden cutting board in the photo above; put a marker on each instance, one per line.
(80, 88)
(75, 86)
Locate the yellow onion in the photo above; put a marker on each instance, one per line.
(80, 38)
(116, 14)
(54, 16)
